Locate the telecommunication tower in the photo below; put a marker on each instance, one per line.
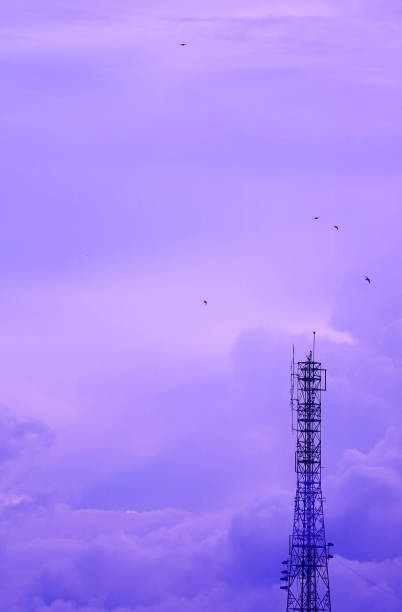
(305, 575)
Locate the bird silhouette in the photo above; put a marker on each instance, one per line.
(368, 280)
(183, 44)
(315, 218)
(336, 227)
(205, 302)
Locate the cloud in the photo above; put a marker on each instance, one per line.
(141, 177)
(367, 586)
(366, 500)
(57, 559)
(21, 437)
(110, 561)
(22, 444)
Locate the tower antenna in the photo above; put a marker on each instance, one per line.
(313, 344)
(305, 577)
(292, 385)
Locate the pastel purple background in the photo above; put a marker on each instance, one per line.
(145, 444)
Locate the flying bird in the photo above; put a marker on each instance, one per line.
(205, 302)
(183, 44)
(315, 218)
(368, 280)
(336, 227)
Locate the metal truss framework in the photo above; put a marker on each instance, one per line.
(306, 575)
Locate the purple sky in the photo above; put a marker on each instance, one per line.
(145, 444)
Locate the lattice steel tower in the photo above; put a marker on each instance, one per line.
(306, 574)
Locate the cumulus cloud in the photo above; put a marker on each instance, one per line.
(21, 437)
(63, 558)
(57, 559)
(366, 501)
(366, 586)
(22, 443)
